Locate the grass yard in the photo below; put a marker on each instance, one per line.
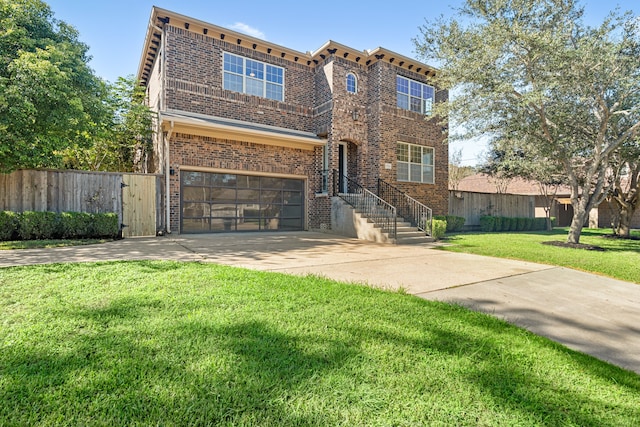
(620, 258)
(33, 244)
(166, 343)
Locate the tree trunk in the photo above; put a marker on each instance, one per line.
(624, 221)
(579, 218)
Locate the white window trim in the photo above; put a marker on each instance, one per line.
(355, 78)
(422, 99)
(409, 163)
(244, 76)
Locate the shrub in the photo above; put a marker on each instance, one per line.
(38, 225)
(8, 225)
(75, 225)
(521, 224)
(438, 228)
(455, 223)
(497, 223)
(487, 223)
(105, 225)
(539, 224)
(528, 224)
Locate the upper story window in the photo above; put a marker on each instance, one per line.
(414, 96)
(253, 77)
(415, 163)
(352, 83)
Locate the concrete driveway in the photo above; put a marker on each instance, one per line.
(585, 312)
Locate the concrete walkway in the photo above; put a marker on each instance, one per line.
(585, 312)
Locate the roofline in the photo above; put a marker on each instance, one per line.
(364, 58)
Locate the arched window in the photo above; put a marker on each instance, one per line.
(352, 83)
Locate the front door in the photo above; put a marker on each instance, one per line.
(342, 168)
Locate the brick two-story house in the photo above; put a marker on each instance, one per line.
(248, 129)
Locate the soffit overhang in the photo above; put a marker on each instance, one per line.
(175, 121)
(160, 17)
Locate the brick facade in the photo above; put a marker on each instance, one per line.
(368, 123)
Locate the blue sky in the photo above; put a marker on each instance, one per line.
(115, 29)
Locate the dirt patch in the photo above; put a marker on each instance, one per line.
(574, 245)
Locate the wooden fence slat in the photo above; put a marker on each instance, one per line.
(472, 206)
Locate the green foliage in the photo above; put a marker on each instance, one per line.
(8, 225)
(554, 94)
(38, 225)
(49, 97)
(76, 225)
(105, 225)
(125, 141)
(31, 225)
(454, 223)
(487, 223)
(438, 228)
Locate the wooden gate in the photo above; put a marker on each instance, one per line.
(138, 205)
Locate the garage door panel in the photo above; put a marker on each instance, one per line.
(229, 202)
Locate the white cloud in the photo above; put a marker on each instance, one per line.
(249, 30)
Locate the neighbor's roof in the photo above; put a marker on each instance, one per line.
(161, 17)
(481, 183)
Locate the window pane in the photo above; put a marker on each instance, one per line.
(402, 84)
(403, 171)
(248, 196)
(268, 197)
(274, 92)
(416, 154)
(194, 194)
(427, 174)
(402, 152)
(292, 197)
(427, 106)
(255, 87)
(416, 105)
(255, 69)
(232, 82)
(351, 83)
(427, 92)
(232, 63)
(222, 180)
(195, 225)
(195, 210)
(403, 101)
(273, 183)
(274, 74)
(415, 173)
(223, 195)
(293, 184)
(416, 89)
(427, 156)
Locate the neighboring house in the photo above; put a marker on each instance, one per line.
(560, 200)
(250, 132)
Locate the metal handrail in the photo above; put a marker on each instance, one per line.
(383, 214)
(414, 212)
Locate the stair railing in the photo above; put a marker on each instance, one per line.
(410, 209)
(381, 213)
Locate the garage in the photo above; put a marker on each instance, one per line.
(224, 202)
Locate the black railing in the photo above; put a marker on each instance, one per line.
(367, 203)
(407, 207)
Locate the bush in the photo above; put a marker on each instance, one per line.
(438, 228)
(454, 223)
(38, 225)
(528, 224)
(539, 224)
(76, 225)
(487, 223)
(8, 225)
(521, 224)
(497, 223)
(105, 225)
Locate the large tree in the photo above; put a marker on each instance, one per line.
(624, 193)
(123, 141)
(531, 72)
(49, 97)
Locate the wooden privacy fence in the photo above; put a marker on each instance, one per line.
(138, 199)
(472, 206)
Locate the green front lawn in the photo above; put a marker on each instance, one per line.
(166, 343)
(620, 258)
